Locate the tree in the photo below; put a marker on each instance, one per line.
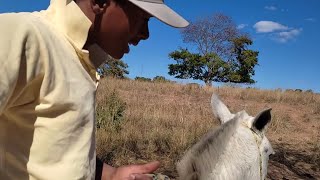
(207, 67)
(223, 54)
(114, 67)
(246, 60)
(138, 78)
(211, 34)
(160, 79)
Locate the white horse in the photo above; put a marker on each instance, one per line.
(238, 149)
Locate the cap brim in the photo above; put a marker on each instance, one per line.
(163, 13)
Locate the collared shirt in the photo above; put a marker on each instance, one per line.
(47, 94)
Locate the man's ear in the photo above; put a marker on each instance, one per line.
(99, 6)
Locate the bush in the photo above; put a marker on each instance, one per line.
(142, 79)
(111, 112)
(309, 91)
(160, 79)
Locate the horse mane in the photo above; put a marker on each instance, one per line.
(204, 155)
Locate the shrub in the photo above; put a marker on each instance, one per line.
(138, 78)
(111, 112)
(309, 91)
(160, 79)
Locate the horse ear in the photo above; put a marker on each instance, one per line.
(262, 119)
(220, 110)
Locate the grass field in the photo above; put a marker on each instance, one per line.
(145, 121)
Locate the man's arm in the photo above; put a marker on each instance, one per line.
(12, 57)
(131, 172)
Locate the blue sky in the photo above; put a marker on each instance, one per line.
(284, 32)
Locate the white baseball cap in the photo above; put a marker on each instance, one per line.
(158, 9)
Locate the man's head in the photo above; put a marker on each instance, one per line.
(119, 23)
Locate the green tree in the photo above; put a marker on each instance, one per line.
(223, 54)
(114, 67)
(138, 78)
(160, 79)
(244, 61)
(196, 66)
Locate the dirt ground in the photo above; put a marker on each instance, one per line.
(290, 164)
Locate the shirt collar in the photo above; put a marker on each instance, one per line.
(69, 19)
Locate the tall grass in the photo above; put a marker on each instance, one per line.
(162, 120)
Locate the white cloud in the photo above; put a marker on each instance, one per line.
(310, 19)
(269, 26)
(241, 26)
(277, 31)
(288, 35)
(271, 8)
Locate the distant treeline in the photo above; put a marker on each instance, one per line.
(155, 79)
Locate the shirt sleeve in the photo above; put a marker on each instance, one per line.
(18, 43)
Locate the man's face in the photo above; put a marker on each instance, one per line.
(121, 26)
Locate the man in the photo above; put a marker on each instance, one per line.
(47, 84)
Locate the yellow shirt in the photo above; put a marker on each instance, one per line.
(47, 94)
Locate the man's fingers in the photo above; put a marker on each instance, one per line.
(140, 177)
(145, 168)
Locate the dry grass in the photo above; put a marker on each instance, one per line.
(162, 120)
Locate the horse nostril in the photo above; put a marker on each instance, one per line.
(272, 154)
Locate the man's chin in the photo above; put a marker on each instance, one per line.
(117, 56)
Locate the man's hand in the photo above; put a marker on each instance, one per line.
(130, 172)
